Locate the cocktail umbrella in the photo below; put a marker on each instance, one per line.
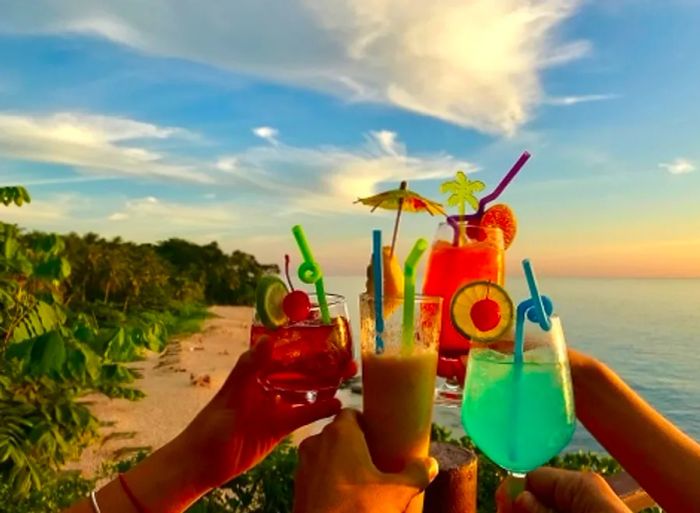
(401, 200)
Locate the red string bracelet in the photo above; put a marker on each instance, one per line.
(139, 507)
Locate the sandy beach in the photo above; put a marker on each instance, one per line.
(177, 383)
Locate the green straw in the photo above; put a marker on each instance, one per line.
(310, 272)
(409, 293)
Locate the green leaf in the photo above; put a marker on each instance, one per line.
(37, 320)
(48, 354)
(25, 194)
(20, 351)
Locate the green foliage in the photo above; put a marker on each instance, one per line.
(267, 488)
(74, 311)
(58, 492)
(41, 427)
(224, 279)
(17, 195)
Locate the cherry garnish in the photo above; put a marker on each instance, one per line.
(297, 305)
(486, 314)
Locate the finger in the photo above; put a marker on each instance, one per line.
(248, 364)
(295, 417)
(554, 486)
(503, 499)
(350, 370)
(261, 352)
(418, 473)
(308, 451)
(348, 416)
(528, 503)
(309, 445)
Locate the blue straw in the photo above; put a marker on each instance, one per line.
(378, 285)
(537, 308)
(542, 316)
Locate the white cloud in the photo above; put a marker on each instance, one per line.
(329, 179)
(58, 181)
(680, 166)
(92, 143)
(476, 63)
(173, 215)
(267, 133)
(49, 213)
(574, 100)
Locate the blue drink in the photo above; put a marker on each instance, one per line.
(520, 417)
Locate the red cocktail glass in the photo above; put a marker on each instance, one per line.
(458, 257)
(309, 359)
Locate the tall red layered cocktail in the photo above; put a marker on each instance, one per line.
(460, 255)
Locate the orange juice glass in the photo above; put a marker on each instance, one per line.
(398, 385)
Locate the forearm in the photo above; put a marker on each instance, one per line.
(162, 483)
(663, 460)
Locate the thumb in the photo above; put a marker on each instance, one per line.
(297, 416)
(418, 474)
(528, 503)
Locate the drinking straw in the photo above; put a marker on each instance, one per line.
(504, 182)
(409, 293)
(378, 286)
(310, 272)
(537, 308)
(539, 305)
(492, 196)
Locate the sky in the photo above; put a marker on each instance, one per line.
(234, 120)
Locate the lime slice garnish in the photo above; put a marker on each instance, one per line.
(269, 297)
(461, 311)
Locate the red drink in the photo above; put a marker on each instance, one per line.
(480, 256)
(308, 358)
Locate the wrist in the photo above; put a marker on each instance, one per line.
(168, 480)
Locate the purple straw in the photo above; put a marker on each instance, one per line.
(454, 220)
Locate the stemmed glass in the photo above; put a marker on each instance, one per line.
(461, 253)
(520, 413)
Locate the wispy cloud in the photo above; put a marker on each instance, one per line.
(574, 100)
(92, 143)
(329, 179)
(175, 215)
(475, 63)
(679, 166)
(60, 181)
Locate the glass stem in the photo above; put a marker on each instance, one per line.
(516, 484)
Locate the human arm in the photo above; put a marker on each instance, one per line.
(661, 458)
(237, 429)
(336, 473)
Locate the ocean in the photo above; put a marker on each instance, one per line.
(647, 330)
